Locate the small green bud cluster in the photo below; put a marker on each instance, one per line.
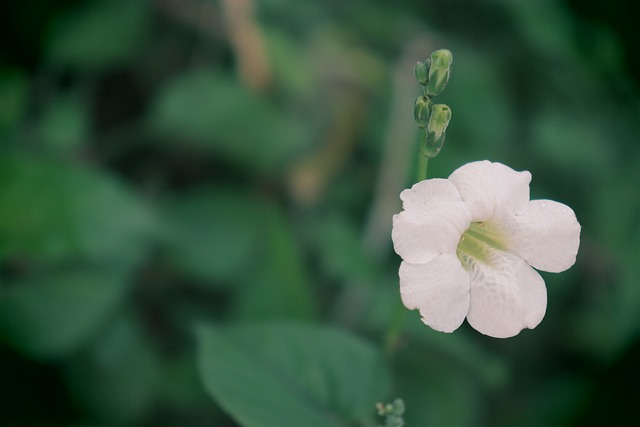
(433, 76)
(392, 412)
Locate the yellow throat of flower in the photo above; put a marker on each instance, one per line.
(479, 242)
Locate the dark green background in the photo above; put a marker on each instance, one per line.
(195, 210)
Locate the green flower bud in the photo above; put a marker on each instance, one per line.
(436, 128)
(422, 111)
(439, 71)
(421, 70)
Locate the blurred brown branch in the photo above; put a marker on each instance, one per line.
(235, 22)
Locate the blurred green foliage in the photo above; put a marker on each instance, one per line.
(291, 374)
(196, 201)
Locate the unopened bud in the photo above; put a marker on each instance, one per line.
(422, 111)
(436, 128)
(439, 71)
(421, 70)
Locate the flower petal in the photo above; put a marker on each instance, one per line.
(439, 289)
(507, 295)
(546, 234)
(422, 242)
(429, 195)
(432, 222)
(492, 190)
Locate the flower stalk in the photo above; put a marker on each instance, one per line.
(433, 76)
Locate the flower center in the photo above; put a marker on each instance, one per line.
(478, 243)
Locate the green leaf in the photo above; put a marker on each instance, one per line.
(341, 251)
(215, 113)
(282, 375)
(181, 387)
(52, 315)
(436, 389)
(54, 212)
(14, 88)
(279, 286)
(292, 65)
(117, 378)
(65, 124)
(214, 234)
(104, 33)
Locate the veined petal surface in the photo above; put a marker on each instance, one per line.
(546, 234)
(507, 295)
(429, 195)
(439, 289)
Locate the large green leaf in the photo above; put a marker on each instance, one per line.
(101, 34)
(117, 377)
(13, 102)
(281, 375)
(217, 114)
(214, 234)
(65, 124)
(52, 315)
(341, 250)
(279, 286)
(53, 212)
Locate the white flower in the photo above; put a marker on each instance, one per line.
(469, 243)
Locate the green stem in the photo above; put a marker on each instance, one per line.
(423, 162)
(395, 328)
(423, 159)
